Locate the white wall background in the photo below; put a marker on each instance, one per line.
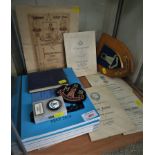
(99, 15)
(130, 31)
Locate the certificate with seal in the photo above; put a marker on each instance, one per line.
(125, 96)
(41, 29)
(80, 49)
(114, 120)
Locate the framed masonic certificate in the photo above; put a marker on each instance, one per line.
(80, 52)
(41, 29)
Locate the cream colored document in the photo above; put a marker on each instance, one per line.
(129, 102)
(113, 119)
(80, 49)
(41, 29)
(113, 84)
(133, 108)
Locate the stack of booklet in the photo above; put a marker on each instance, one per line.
(36, 136)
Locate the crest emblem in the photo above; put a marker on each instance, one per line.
(73, 95)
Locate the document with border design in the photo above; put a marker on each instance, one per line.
(114, 120)
(80, 49)
(128, 101)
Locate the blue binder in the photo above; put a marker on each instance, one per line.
(31, 131)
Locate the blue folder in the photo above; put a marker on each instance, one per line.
(31, 131)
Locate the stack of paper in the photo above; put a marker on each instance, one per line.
(36, 136)
(118, 94)
(113, 118)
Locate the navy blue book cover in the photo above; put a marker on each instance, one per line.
(45, 80)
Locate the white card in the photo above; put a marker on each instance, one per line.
(80, 49)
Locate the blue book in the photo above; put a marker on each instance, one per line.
(31, 131)
(40, 81)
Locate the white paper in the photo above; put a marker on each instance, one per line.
(112, 83)
(113, 119)
(125, 97)
(80, 52)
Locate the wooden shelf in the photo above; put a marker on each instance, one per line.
(83, 146)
